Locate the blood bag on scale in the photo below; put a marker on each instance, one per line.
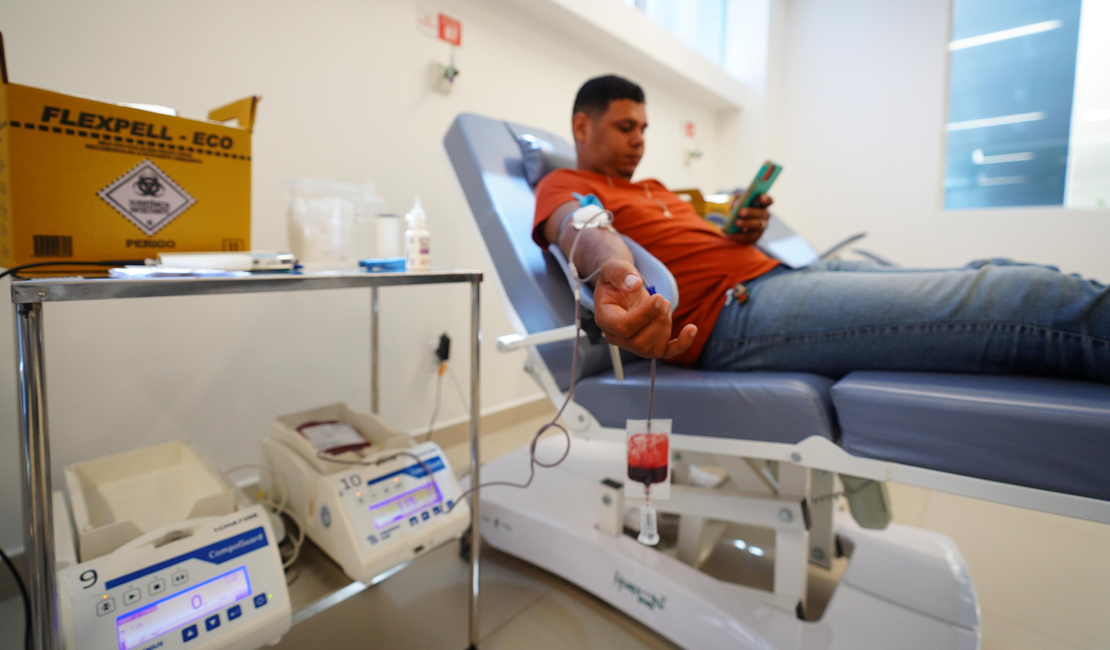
(648, 445)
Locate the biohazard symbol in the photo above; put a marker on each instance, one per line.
(148, 185)
(147, 197)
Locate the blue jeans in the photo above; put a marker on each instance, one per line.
(993, 316)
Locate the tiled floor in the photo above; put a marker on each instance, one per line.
(1043, 583)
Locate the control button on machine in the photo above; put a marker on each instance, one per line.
(436, 510)
(189, 633)
(234, 613)
(180, 578)
(156, 587)
(105, 606)
(412, 521)
(259, 600)
(212, 622)
(132, 596)
(425, 515)
(450, 503)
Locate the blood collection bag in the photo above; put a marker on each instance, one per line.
(649, 470)
(648, 458)
(648, 454)
(333, 436)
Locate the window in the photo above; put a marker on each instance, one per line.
(700, 24)
(1028, 104)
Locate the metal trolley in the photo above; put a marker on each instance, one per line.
(328, 586)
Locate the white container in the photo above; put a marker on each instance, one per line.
(322, 221)
(418, 255)
(118, 498)
(365, 233)
(388, 235)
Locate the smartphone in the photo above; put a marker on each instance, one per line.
(759, 186)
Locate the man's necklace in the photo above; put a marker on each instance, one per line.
(648, 197)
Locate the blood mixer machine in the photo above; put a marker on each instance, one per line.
(369, 497)
(164, 553)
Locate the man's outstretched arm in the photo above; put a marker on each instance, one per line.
(631, 318)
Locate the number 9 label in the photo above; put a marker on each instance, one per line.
(88, 579)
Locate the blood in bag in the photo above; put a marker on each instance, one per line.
(648, 455)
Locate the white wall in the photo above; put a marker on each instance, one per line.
(344, 94)
(862, 141)
(754, 55)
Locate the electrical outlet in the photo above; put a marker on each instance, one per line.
(443, 77)
(443, 347)
(440, 348)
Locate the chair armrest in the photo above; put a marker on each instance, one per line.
(881, 261)
(842, 245)
(654, 273)
(511, 342)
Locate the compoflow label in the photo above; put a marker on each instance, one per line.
(147, 197)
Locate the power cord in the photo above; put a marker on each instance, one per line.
(443, 353)
(14, 271)
(435, 411)
(458, 389)
(324, 455)
(26, 600)
(279, 509)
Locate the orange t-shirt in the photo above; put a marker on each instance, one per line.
(705, 263)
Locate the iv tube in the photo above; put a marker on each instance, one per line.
(554, 423)
(649, 529)
(649, 534)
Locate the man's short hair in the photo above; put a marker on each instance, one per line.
(594, 96)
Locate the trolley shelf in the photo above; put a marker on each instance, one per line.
(68, 289)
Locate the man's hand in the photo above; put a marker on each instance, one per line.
(632, 318)
(752, 222)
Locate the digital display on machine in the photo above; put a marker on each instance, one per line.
(179, 610)
(401, 506)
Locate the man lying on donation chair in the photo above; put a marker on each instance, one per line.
(742, 310)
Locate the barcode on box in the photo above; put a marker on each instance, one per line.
(53, 246)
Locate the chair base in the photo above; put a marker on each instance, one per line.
(903, 587)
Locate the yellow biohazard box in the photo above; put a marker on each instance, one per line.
(82, 179)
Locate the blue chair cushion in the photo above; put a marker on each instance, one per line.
(1050, 434)
(763, 406)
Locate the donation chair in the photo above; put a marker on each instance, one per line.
(782, 437)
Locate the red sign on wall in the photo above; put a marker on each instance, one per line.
(450, 30)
